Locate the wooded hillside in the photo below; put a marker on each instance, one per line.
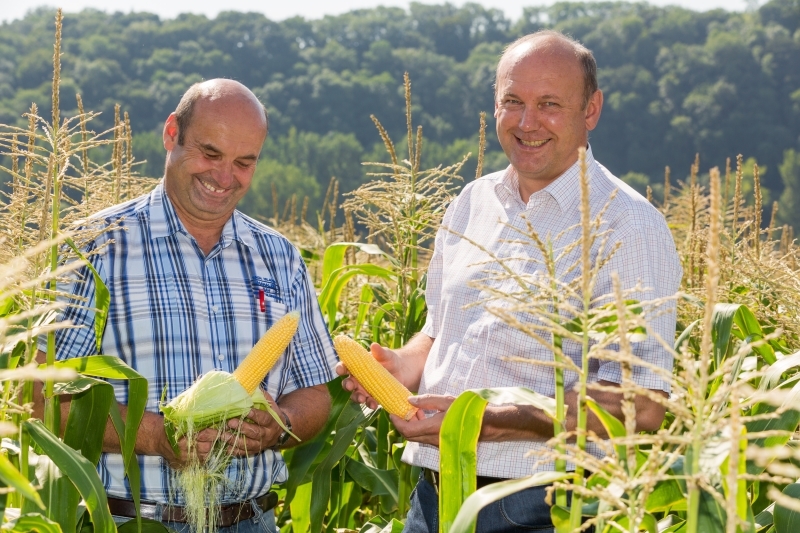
(676, 82)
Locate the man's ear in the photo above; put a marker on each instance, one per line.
(170, 135)
(593, 109)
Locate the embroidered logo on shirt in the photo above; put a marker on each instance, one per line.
(267, 287)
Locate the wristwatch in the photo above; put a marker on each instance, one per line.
(283, 438)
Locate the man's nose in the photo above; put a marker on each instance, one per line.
(529, 118)
(223, 173)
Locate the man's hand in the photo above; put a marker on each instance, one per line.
(405, 364)
(256, 433)
(422, 429)
(386, 357)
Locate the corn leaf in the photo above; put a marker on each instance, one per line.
(347, 424)
(31, 522)
(102, 298)
(465, 520)
(78, 470)
(788, 520)
(11, 477)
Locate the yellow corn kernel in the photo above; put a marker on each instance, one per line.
(377, 381)
(252, 371)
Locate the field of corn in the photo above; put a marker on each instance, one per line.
(725, 459)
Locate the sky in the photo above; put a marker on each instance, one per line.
(310, 9)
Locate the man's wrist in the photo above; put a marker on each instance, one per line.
(284, 435)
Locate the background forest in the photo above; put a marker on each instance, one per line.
(676, 83)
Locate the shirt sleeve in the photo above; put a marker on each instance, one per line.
(646, 256)
(77, 295)
(314, 355)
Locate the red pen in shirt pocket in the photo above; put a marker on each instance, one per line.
(261, 300)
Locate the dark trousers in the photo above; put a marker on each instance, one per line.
(523, 511)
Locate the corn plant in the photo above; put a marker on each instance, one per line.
(53, 186)
(401, 211)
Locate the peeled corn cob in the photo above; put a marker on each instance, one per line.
(251, 372)
(377, 381)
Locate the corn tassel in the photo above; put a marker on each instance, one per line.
(377, 381)
(252, 371)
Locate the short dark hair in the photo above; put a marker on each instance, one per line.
(582, 54)
(185, 110)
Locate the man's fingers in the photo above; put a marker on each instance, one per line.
(432, 402)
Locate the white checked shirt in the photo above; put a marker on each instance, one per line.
(470, 342)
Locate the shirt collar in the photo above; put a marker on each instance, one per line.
(564, 189)
(164, 221)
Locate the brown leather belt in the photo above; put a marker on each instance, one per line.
(432, 477)
(228, 514)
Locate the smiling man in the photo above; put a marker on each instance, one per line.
(546, 103)
(193, 285)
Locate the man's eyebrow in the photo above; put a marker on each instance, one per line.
(211, 148)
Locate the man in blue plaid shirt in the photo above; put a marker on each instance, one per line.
(194, 284)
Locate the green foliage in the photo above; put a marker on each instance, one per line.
(676, 82)
(789, 203)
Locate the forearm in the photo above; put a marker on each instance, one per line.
(413, 356)
(150, 438)
(307, 409)
(524, 422)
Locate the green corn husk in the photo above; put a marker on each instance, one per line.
(215, 397)
(210, 402)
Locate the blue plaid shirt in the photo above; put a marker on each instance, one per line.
(176, 314)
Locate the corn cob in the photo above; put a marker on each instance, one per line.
(377, 381)
(251, 372)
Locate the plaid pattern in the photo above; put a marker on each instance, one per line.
(470, 342)
(176, 314)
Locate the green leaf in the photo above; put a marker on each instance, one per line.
(102, 299)
(347, 424)
(331, 292)
(303, 457)
(765, 518)
(378, 482)
(11, 477)
(787, 520)
(458, 459)
(365, 301)
(665, 496)
(613, 426)
(109, 367)
(32, 522)
(80, 472)
(301, 503)
(560, 518)
(465, 520)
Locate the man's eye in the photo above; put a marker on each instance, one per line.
(212, 155)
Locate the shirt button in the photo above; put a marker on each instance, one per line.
(221, 357)
(214, 308)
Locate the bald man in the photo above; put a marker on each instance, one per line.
(194, 284)
(546, 103)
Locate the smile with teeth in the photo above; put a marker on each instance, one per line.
(210, 187)
(533, 143)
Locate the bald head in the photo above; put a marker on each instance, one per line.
(215, 90)
(555, 44)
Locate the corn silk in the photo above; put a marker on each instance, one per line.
(210, 402)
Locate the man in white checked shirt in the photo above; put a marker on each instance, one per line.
(546, 102)
(193, 285)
